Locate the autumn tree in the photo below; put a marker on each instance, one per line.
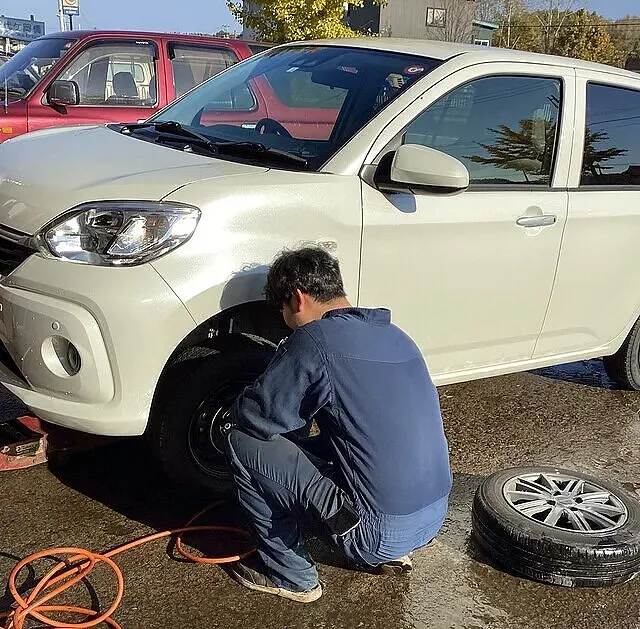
(625, 34)
(585, 36)
(293, 20)
(552, 16)
(577, 34)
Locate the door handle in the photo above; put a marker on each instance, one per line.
(537, 221)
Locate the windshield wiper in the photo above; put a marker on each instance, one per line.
(170, 126)
(257, 149)
(181, 133)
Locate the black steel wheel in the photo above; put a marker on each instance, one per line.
(558, 526)
(190, 413)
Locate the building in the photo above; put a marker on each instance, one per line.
(16, 33)
(444, 20)
(483, 32)
(633, 64)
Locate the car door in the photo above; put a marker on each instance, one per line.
(596, 299)
(118, 81)
(192, 64)
(469, 275)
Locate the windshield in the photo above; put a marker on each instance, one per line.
(24, 70)
(307, 101)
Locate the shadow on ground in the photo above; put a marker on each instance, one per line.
(589, 373)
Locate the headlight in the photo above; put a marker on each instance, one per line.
(119, 233)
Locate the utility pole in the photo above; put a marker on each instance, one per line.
(63, 26)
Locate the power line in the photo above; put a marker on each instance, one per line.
(603, 25)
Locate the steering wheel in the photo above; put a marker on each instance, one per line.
(269, 125)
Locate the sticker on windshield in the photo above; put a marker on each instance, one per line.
(413, 70)
(349, 69)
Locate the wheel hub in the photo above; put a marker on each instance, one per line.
(207, 428)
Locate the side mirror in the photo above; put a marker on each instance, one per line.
(418, 166)
(63, 93)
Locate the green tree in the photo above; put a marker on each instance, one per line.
(292, 20)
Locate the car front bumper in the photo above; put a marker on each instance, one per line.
(124, 324)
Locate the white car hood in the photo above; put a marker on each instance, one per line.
(46, 173)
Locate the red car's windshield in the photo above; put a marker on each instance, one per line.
(26, 69)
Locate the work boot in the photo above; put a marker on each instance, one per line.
(253, 577)
(401, 565)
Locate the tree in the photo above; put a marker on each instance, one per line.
(594, 157)
(625, 34)
(577, 34)
(528, 149)
(458, 24)
(519, 29)
(584, 36)
(292, 20)
(552, 15)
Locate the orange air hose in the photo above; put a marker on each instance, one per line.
(78, 565)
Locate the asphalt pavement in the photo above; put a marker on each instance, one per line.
(569, 417)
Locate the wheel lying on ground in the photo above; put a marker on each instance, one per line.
(185, 429)
(624, 366)
(558, 526)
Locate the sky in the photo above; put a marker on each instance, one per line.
(190, 16)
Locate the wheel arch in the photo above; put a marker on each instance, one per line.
(242, 326)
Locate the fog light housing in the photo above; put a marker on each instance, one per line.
(61, 356)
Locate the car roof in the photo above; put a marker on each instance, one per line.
(478, 54)
(143, 34)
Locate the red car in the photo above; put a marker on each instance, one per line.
(83, 77)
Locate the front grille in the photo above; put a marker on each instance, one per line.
(13, 250)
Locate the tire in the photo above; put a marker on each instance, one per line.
(184, 429)
(624, 366)
(560, 554)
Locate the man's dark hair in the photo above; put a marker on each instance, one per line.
(310, 270)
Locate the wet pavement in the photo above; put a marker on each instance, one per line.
(569, 417)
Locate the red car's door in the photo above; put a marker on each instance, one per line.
(190, 63)
(119, 79)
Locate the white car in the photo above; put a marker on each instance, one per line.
(489, 198)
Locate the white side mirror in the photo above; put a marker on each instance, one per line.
(416, 165)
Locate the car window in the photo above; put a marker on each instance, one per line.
(504, 129)
(115, 74)
(296, 89)
(310, 99)
(193, 65)
(612, 137)
(257, 48)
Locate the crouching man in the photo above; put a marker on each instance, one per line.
(367, 387)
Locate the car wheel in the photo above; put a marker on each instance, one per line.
(188, 417)
(624, 366)
(558, 526)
